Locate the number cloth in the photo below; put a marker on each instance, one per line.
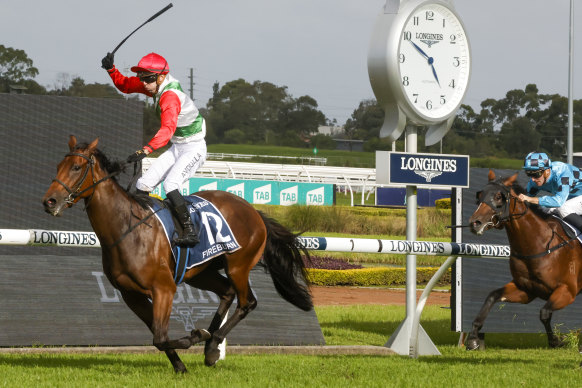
(215, 235)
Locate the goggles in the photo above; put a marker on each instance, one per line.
(534, 174)
(148, 78)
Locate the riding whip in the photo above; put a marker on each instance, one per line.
(167, 7)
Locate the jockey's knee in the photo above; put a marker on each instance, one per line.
(143, 187)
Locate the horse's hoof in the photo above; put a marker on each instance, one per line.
(211, 353)
(199, 335)
(472, 344)
(211, 357)
(181, 370)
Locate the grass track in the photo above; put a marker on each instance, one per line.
(510, 360)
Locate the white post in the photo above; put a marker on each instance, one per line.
(400, 341)
(570, 141)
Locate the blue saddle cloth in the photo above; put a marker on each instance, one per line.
(215, 234)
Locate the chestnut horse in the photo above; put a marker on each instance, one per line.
(138, 261)
(544, 261)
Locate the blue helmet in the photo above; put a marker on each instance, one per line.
(537, 161)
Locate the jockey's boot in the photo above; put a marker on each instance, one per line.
(575, 220)
(189, 235)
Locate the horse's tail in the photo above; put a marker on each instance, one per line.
(282, 258)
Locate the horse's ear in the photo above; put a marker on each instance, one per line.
(491, 175)
(511, 180)
(72, 142)
(93, 144)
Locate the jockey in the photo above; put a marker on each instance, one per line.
(563, 181)
(181, 123)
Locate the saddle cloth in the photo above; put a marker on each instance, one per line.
(215, 234)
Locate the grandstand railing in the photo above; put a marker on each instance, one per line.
(359, 180)
(308, 159)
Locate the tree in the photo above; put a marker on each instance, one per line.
(519, 137)
(264, 112)
(15, 65)
(365, 122)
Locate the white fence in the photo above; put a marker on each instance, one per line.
(308, 159)
(418, 341)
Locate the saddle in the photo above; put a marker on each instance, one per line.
(571, 231)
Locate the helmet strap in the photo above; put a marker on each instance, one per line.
(161, 77)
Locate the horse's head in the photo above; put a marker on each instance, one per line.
(493, 201)
(75, 178)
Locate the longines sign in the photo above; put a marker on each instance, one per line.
(399, 168)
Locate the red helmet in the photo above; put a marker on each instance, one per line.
(152, 63)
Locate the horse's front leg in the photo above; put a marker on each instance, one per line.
(560, 298)
(507, 293)
(142, 307)
(163, 298)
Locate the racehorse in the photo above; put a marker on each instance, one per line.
(545, 262)
(137, 257)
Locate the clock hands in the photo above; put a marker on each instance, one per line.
(430, 61)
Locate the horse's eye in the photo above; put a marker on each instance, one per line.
(76, 167)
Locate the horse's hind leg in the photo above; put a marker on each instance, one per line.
(507, 293)
(212, 280)
(211, 351)
(142, 307)
(559, 299)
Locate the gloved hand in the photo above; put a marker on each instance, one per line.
(136, 156)
(107, 61)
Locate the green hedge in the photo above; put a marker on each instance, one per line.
(373, 276)
(443, 203)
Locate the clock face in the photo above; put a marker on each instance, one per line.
(433, 61)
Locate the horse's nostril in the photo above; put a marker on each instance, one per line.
(51, 202)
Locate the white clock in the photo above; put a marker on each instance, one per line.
(419, 65)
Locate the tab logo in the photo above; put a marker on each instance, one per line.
(289, 196)
(315, 197)
(262, 195)
(237, 189)
(208, 186)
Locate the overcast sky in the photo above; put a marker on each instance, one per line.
(314, 47)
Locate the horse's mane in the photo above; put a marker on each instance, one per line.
(113, 167)
(519, 189)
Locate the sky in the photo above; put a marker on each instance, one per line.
(313, 47)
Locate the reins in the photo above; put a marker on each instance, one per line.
(76, 191)
(548, 250)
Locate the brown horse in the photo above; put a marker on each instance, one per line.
(138, 261)
(545, 262)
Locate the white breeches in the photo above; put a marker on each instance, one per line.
(573, 205)
(174, 167)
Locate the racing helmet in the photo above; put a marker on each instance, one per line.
(152, 63)
(535, 161)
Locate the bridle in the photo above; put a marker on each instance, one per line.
(76, 191)
(501, 212)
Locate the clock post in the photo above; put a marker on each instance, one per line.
(419, 68)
